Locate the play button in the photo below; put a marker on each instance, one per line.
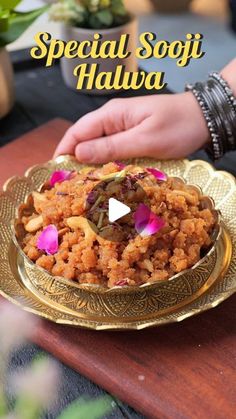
(111, 205)
(117, 210)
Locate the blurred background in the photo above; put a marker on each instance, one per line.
(170, 19)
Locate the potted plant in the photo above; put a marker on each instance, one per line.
(12, 24)
(82, 19)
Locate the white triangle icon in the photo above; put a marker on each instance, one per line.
(117, 210)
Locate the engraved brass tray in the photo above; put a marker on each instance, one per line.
(214, 278)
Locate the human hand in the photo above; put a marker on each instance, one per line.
(159, 126)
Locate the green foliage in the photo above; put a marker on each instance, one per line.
(14, 23)
(3, 405)
(37, 387)
(84, 409)
(29, 407)
(9, 4)
(94, 14)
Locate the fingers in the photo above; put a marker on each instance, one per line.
(105, 121)
(123, 145)
(86, 128)
(67, 144)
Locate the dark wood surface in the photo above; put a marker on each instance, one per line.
(184, 370)
(35, 148)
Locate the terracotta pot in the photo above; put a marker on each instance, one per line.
(6, 83)
(80, 34)
(171, 6)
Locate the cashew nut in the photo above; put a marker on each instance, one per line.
(39, 196)
(83, 224)
(34, 224)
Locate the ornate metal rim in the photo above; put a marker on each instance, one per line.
(101, 289)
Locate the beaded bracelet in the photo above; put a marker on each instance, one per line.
(215, 150)
(218, 105)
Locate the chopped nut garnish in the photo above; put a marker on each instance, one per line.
(34, 224)
(39, 196)
(63, 231)
(82, 223)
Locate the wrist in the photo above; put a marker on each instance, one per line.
(229, 74)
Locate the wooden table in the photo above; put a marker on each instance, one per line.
(184, 370)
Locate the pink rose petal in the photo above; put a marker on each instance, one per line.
(120, 165)
(157, 173)
(48, 240)
(146, 222)
(59, 176)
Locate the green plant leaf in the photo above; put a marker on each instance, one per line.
(3, 404)
(120, 11)
(18, 23)
(4, 25)
(94, 22)
(9, 4)
(4, 20)
(27, 408)
(84, 409)
(105, 17)
(118, 7)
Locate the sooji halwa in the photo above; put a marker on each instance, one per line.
(69, 233)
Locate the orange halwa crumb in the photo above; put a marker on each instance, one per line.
(130, 259)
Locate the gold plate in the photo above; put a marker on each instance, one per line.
(215, 276)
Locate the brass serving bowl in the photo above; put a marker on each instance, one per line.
(172, 304)
(129, 303)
